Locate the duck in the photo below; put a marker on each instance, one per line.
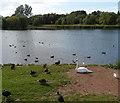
(103, 52)
(52, 56)
(88, 56)
(36, 58)
(23, 45)
(28, 55)
(42, 81)
(12, 66)
(42, 42)
(25, 59)
(32, 72)
(36, 61)
(74, 54)
(45, 65)
(46, 70)
(58, 62)
(60, 97)
(6, 93)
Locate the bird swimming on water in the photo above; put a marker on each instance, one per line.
(52, 56)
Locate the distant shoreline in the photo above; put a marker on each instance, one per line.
(72, 27)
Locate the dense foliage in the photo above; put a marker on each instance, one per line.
(22, 18)
(15, 22)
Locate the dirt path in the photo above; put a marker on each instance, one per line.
(99, 82)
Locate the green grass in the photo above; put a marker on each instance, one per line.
(91, 97)
(82, 25)
(72, 27)
(91, 65)
(24, 87)
(113, 66)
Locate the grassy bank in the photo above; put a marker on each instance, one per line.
(24, 87)
(70, 27)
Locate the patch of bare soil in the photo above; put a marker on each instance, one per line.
(99, 82)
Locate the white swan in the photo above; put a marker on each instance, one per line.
(81, 69)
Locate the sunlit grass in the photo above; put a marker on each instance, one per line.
(113, 66)
(24, 87)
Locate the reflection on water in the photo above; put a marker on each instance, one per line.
(37, 46)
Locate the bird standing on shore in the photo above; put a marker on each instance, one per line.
(46, 70)
(6, 93)
(60, 97)
(42, 81)
(33, 73)
(45, 65)
(58, 62)
(12, 66)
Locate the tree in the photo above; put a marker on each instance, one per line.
(108, 18)
(90, 19)
(4, 23)
(61, 21)
(118, 20)
(1, 22)
(58, 22)
(36, 21)
(82, 12)
(23, 22)
(70, 19)
(97, 12)
(64, 22)
(16, 23)
(118, 12)
(25, 10)
(12, 22)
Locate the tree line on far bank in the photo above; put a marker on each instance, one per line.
(23, 17)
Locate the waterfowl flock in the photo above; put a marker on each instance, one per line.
(46, 70)
(37, 60)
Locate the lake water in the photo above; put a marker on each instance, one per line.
(26, 47)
